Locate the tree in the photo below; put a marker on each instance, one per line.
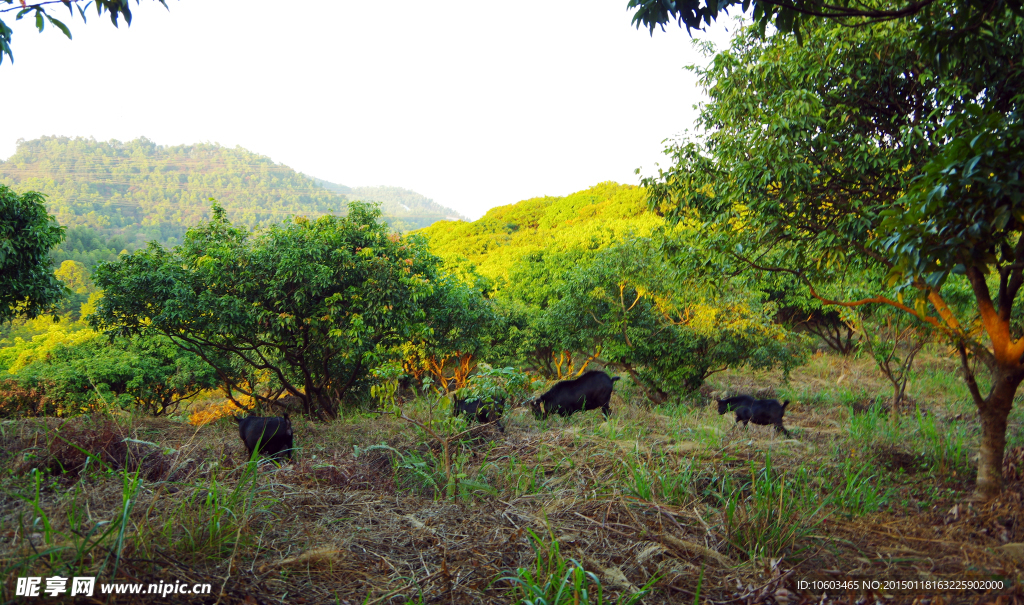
(856, 152)
(456, 319)
(28, 287)
(955, 19)
(150, 374)
(116, 8)
(316, 305)
(669, 326)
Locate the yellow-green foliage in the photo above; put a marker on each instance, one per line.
(16, 354)
(592, 219)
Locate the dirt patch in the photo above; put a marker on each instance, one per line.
(896, 460)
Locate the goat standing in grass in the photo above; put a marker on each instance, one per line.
(483, 411)
(759, 411)
(266, 436)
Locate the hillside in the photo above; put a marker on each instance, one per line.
(586, 220)
(398, 205)
(143, 191)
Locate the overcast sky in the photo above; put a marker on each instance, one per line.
(474, 104)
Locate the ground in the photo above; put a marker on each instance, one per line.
(859, 506)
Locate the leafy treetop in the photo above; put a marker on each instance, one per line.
(28, 286)
(959, 18)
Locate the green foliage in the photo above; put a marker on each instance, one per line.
(837, 153)
(115, 8)
(562, 269)
(495, 384)
(670, 325)
(85, 371)
(586, 220)
(403, 209)
(966, 207)
(830, 158)
(456, 316)
(28, 286)
(861, 152)
(316, 305)
(523, 335)
(121, 195)
(87, 246)
(943, 24)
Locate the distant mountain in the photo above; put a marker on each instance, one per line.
(139, 191)
(401, 206)
(406, 206)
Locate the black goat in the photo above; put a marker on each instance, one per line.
(267, 436)
(483, 411)
(590, 391)
(758, 411)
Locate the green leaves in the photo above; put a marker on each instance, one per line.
(965, 207)
(116, 9)
(28, 287)
(855, 152)
(669, 322)
(310, 307)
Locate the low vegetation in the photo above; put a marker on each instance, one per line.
(655, 505)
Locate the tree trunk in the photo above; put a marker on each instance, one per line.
(993, 412)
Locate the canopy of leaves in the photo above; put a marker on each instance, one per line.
(669, 324)
(970, 17)
(28, 286)
(855, 142)
(315, 305)
(151, 375)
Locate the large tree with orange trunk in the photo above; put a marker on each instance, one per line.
(856, 153)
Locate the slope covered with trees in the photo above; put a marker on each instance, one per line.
(584, 221)
(142, 191)
(403, 209)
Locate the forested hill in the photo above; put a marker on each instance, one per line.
(142, 191)
(399, 205)
(584, 221)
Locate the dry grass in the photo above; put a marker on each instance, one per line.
(643, 498)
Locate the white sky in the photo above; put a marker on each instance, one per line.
(474, 104)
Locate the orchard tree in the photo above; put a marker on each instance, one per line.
(670, 326)
(856, 152)
(28, 286)
(316, 305)
(456, 319)
(117, 9)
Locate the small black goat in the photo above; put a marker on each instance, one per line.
(483, 411)
(758, 411)
(272, 436)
